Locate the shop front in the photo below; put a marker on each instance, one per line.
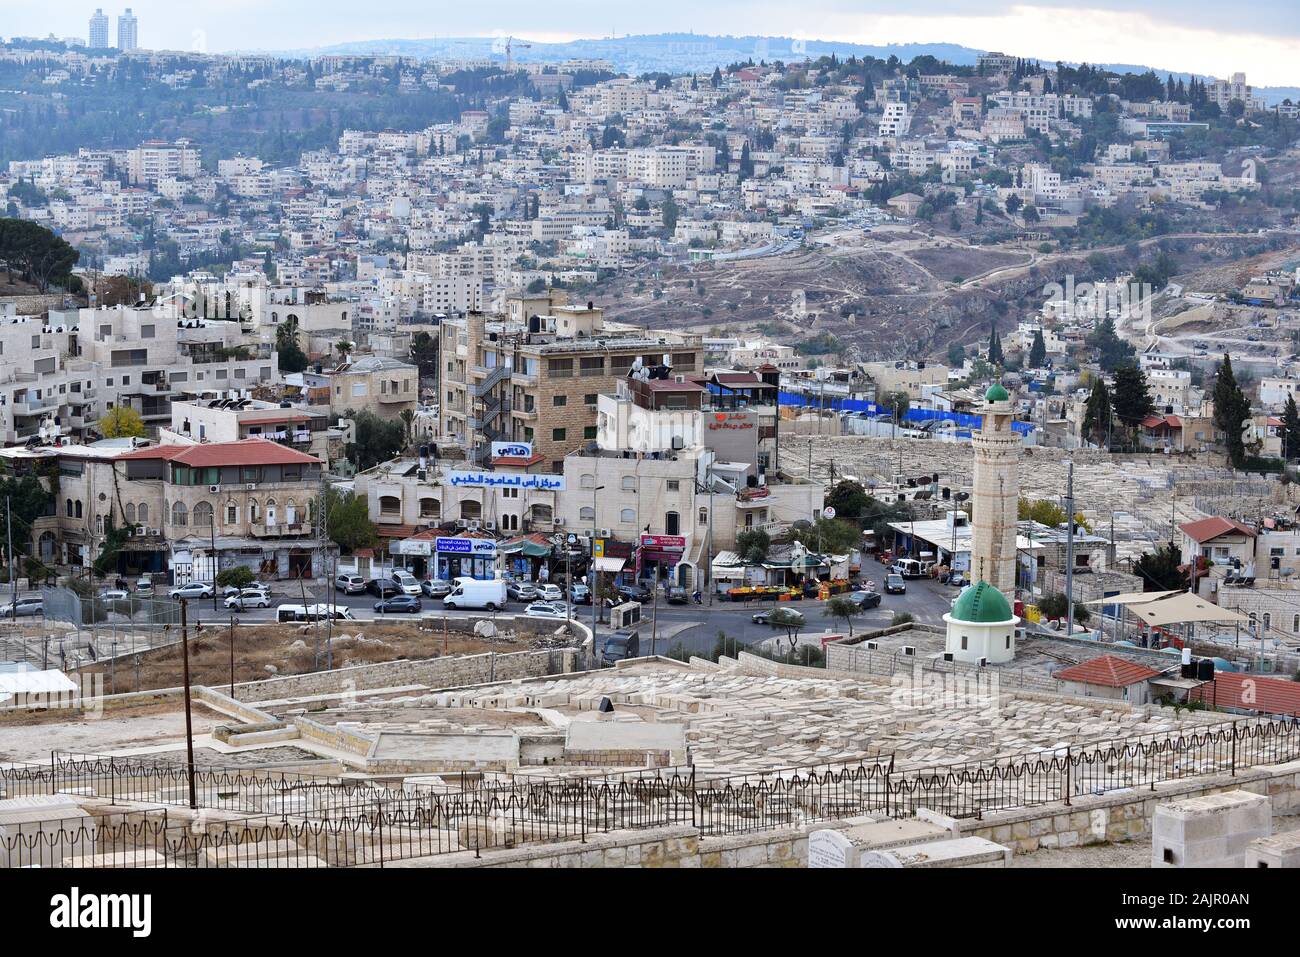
(456, 557)
(658, 555)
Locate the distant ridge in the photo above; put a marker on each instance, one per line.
(683, 52)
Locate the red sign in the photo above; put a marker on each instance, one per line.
(664, 541)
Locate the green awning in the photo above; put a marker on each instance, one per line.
(526, 548)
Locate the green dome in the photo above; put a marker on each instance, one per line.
(996, 394)
(983, 604)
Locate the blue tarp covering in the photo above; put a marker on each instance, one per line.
(963, 420)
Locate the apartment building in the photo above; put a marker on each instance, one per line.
(385, 387)
(538, 381)
(1224, 92)
(156, 160)
(223, 417)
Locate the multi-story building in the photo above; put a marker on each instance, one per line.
(151, 162)
(128, 31)
(98, 36)
(375, 384)
(216, 417)
(538, 381)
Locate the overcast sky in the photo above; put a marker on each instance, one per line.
(1260, 37)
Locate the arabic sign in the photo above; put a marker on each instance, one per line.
(664, 541)
(732, 420)
(412, 547)
(541, 483)
(514, 450)
(481, 547)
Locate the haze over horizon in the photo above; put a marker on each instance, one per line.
(1193, 36)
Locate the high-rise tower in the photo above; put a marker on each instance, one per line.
(98, 37)
(996, 493)
(128, 35)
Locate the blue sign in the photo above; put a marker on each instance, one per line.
(512, 450)
(914, 415)
(480, 547)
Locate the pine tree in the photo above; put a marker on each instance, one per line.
(1290, 430)
(995, 348)
(1096, 416)
(1037, 351)
(1231, 408)
(716, 80)
(1132, 400)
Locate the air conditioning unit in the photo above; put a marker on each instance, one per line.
(983, 662)
(474, 526)
(251, 486)
(873, 646)
(947, 656)
(603, 533)
(214, 488)
(490, 525)
(559, 521)
(909, 649)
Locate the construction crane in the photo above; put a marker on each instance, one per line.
(510, 59)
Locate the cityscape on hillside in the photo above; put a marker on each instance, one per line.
(666, 451)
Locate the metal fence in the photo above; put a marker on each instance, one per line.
(297, 820)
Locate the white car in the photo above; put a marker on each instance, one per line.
(550, 592)
(114, 594)
(249, 598)
(192, 590)
(23, 606)
(406, 582)
(231, 590)
(547, 609)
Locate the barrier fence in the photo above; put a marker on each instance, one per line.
(320, 820)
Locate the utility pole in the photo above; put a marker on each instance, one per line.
(213, 527)
(594, 590)
(13, 578)
(232, 656)
(189, 725)
(1069, 548)
(708, 567)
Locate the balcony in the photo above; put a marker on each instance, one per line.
(32, 406)
(284, 530)
(524, 379)
(391, 397)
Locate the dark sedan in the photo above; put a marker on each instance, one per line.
(634, 593)
(398, 603)
(865, 599)
(383, 587)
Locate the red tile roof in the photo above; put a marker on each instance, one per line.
(1156, 421)
(1109, 671)
(518, 462)
(1213, 527)
(214, 454)
(1250, 693)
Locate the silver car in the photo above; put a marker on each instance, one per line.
(23, 606)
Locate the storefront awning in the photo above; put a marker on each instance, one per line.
(524, 548)
(1184, 608)
(610, 565)
(1133, 598)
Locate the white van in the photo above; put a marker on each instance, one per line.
(472, 593)
(318, 612)
(908, 568)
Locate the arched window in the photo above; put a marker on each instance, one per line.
(203, 515)
(587, 481)
(430, 508)
(128, 512)
(142, 513)
(1268, 621)
(1295, 623)
(232, 513)
(704, 516)
(471, 509)
(67, 508)
(99, 524)
(270, 512)
(254, 511)
(629, 483)
(180, 515)
(627, 516)
(77, 507)
(390, 505)
(586, 514)
(291, 512)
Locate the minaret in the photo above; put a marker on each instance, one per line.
(996, 493)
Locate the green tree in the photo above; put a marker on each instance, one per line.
(1132, 399)
(376, 440)
(121, 422)
(348, 517)
(424, 353)
(844, 608)
(288, 352)
(1112, 351)
(754, 545)
(669, 213)
(1231, 409)
(828, 536)
(36, 254)
(238, 576)
(1160, 570)
(995, 348)
(1013, 204)
(956, 354)
(1042, 511)
(1038, 351)
(1097, 413)
(1290, 430)
(849, 499)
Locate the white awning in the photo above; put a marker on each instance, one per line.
(610, 565)
(1133, 598)
(1184, 608)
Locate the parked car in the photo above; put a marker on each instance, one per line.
(547, 609)
(785, 616)
(23, 606)
(958, 579)
(621, 645)
(435, 587)
(676, 595)
(865, 599)
(404, 604)
(249, 598)
(263, 587)
(382, 587)
(634, 593)
(521, 590)
(406, 582)
(895, 585)
(144, 586)
(580, 594)
(350, 584)
(317, 612)
(192, 590)
(114, 594)
(550, 592)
